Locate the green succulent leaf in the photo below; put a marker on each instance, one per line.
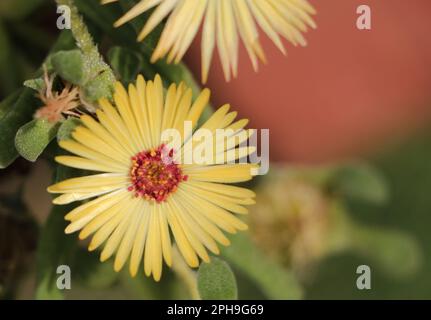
(66, 129)
(17, 111)
(394, 252)
(55, 248)
(125, 62)
(7, 104)
(33, 137)
(98, 76)
(275, 281)
(69, 65)
(65, 41)
(10, 63)
(21, 113)
(360, 182)
(216, 281)
(35, 84)
(99, 87)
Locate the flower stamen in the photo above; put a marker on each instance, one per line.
(154, 178)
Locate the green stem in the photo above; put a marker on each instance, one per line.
(94, 63)
(187, 275)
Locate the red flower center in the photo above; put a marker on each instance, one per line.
(154, 175)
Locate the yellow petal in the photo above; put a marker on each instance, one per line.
(117, 236)
(183, 244)
(127, 242)
(98, 182)
(141, 237)
(191, 234)
(84, 216)
(229, 173)
(138, 9)
(224, 189)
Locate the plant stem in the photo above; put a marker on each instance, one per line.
(187, 275)
(94, 63)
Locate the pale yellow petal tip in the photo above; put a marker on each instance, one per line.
(91, 247)
(215, 251)
(243, 227)
(119, 23)
(144, 33)
(225, 108)
(154, 57)
(206, 259)
(107, 1)
(157, 78)
(206, 92)
(226, 242)
(118, 266)
(147, 268)
(192, 262)
(104, 256)
(140, 79)
(68, 217)
(60, 201)
(204, 79)
(157, 277)
(133, 273)
(310, 9)
(83, 235)
(69, 229)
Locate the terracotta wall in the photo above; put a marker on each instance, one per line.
(348, 92)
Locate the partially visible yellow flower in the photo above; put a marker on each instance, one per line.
(140, 199)
(224, 22)
(291, 221)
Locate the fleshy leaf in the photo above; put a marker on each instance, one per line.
(7, 104)
(35, 84)
(66, 128)
(216, 281)
(396, 253)
(33, 137)
(21, 112)
(99, 87)
(125, 62)
(55, 248)
(275, 281)
(65, 41)
(360, 182)
(69, 65)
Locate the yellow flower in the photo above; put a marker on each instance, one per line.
(292, 219)
(140, 198)
(224, 21)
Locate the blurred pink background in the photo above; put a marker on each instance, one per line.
(349, 93)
